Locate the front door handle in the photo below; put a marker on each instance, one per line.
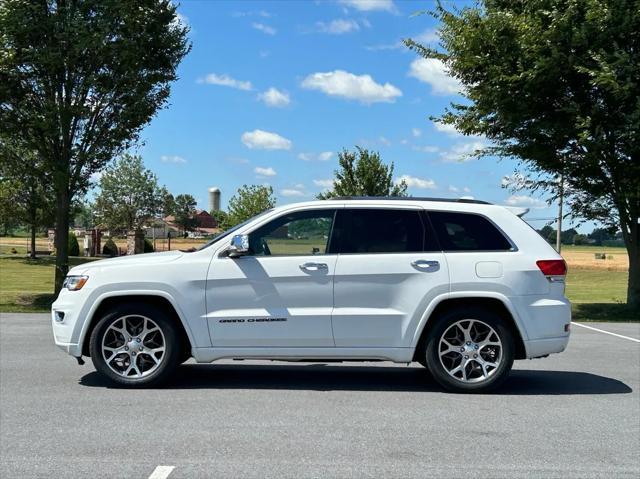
(314, 266)
(424, 265)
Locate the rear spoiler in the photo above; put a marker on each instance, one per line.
(517, 210)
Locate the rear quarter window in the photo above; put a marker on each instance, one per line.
(467, 232)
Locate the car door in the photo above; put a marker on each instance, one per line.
(388, 271)
(280, 295)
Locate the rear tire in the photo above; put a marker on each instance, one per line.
(136, 345)
(470, 350)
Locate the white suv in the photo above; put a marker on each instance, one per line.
(462, 287)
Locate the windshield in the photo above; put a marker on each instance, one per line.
(226, 233)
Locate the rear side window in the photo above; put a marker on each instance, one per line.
(467, 232)
(380, 231)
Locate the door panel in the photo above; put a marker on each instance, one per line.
(282, 294)
(388, 272)
(382, 307)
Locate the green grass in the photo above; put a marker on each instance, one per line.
(26, 285)
(597, 295)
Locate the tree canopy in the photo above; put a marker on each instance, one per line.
(362, 173)
(248, 202)
(78, 81)
(185, 209)
(129, 195)
(554, 83)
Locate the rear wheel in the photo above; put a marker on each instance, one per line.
(136, 345)
(470, 351)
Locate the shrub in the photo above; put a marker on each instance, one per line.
(148, 246)
(110, 248)
(74, 248)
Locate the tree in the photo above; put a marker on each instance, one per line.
(84, 215)
(222, 219)
(78, 81)
(362, 173)
(599, 235)
(129, 195)
(29, 200)
(185, 209)
(9, 215)
(248, 202)
(554, 83)
(168, 203)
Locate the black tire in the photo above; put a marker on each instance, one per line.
(172, 356)
(441, 375)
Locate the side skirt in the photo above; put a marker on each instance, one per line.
(397, 355)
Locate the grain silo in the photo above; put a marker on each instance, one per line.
(214, 199)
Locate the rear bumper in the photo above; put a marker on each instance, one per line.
(545, 321)
(543, 347)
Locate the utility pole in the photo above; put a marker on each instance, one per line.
(561, 198)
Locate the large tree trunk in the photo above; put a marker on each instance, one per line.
(633, 250)
(62, 237)
(32, 254)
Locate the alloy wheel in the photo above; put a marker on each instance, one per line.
(133, 346)
(470, 351)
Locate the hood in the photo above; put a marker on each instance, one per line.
(132, 260)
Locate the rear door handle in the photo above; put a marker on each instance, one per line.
(425, 265)
(314, 266)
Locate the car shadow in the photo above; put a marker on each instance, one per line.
(327, 377)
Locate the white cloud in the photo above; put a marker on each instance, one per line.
(414, 182)
(461, 152)
(95, 177)
(252, 13)
(338, 26)
(264, 171)
(433, 72)
(446, 128)
(370, 5)
(427, 149)
(416, 132)
(324, 156)
(385, 46)
(428, 36)
(384, 140)
(291, 192)
(181, 20)
(453, 189)
(466, 189)
(323, 183)
(526, 201)
(353, 87)
(225, 80)
(275, 98)
(172, 159)
(265, 140)
(264, 28)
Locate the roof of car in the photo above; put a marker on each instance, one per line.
(410, 198)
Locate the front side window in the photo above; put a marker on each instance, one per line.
(467, 232)
(294, 234)
(379, 230)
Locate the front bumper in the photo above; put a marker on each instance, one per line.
(65, 324)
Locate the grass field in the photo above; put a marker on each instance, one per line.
(597, 288)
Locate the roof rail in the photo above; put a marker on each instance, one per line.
(411, 198)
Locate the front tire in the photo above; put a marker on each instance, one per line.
(136, 345)
(470, 350)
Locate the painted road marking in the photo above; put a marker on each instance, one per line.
(606, 332)
(161, 472)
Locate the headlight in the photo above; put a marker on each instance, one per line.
(74, 283)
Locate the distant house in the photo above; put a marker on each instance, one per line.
(206, 225)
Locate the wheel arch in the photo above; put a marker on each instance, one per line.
(108, 302)
(492, 304)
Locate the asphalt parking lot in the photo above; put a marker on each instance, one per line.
(576, 414)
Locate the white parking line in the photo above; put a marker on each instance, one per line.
(161, 472)
(606, 332)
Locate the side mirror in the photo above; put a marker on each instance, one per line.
(239, 246)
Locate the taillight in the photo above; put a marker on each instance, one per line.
(552, 267)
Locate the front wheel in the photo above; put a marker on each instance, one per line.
(470, 351)
(135, 345)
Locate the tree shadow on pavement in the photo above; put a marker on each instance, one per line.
(323, 377)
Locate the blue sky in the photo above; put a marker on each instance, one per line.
(271, 91)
